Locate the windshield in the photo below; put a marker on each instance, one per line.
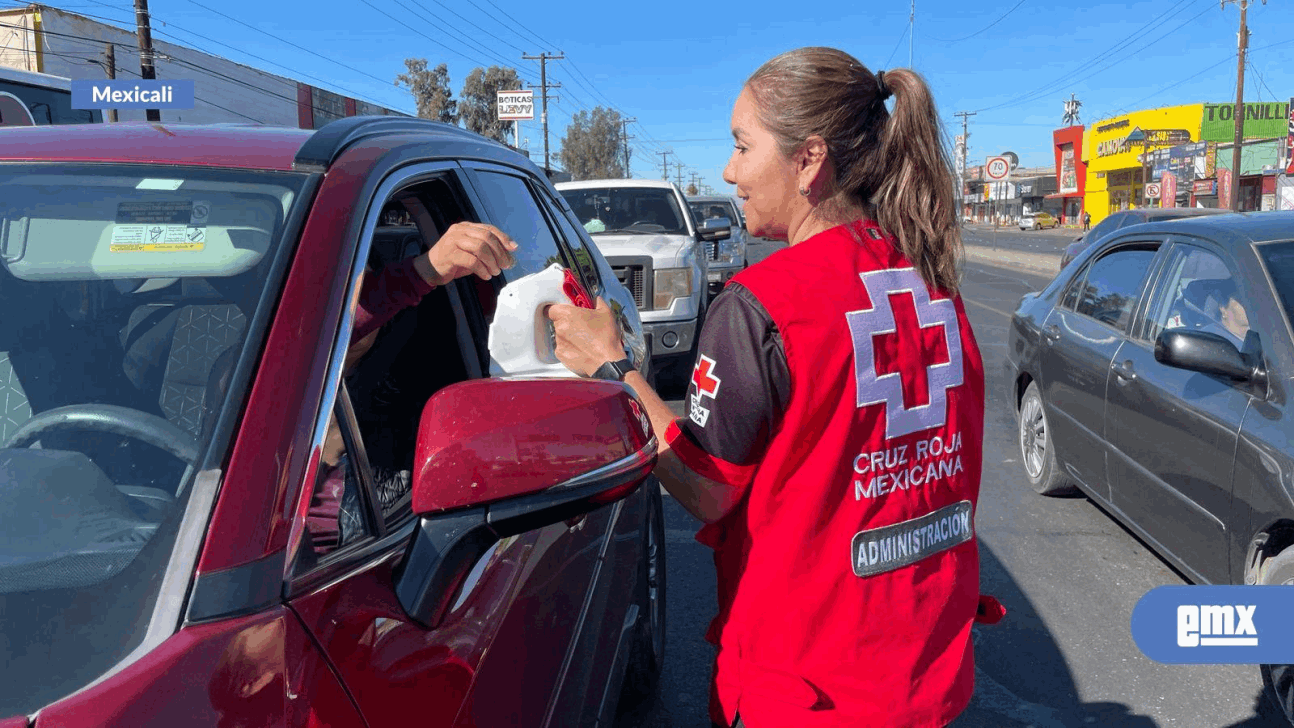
(127, 294)
(702, 211)
(1279, 259)
(627, 210)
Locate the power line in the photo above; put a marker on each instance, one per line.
(168, 24)
(903, 35)
(981, 30)
(459, 35)
(483, 30)
(1083, 65)
(542, 42)
(284, 41)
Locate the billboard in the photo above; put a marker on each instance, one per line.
(1289, 140)
(1068, 174)
(1262, 121)
(516, 105)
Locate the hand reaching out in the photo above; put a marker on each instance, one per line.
(464, 249)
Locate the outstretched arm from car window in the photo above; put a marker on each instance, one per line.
(466, 248)
(586, 339)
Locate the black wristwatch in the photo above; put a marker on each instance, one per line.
(615, 371)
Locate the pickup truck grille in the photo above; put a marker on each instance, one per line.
(635, 272)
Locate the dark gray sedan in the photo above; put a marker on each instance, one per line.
(1127, 218)
(1154, 375)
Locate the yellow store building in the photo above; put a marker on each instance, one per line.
(1112, 149)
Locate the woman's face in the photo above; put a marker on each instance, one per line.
(765, 178)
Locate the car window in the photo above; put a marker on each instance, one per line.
(50, 105)
(579, 252)
(108, 324)
(1075, 286)
(1199, 294)
(1113, 284)
(627, 210)
(364, 481)
(1279, 259)
(515, 212)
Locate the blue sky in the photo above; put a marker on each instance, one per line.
(677, 66)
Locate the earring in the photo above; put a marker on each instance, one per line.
(804, 191)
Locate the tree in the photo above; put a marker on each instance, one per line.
(430, 89)
(478, 107)
(691, 189)
(593, 147)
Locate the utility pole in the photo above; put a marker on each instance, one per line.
(679, 166)
(696, 178)
(961, 173)
(664, 165)
(624, 134)
(146, 70)
(912, 30)
(111, 68)
(543, 59)
(1242, 45)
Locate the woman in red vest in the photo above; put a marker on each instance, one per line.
(832, 442)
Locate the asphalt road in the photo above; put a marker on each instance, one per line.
(1067, 572)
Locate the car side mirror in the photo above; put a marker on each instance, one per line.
(499, 457)
(716, 228)
(1209, 353)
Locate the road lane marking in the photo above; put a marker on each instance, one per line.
(998, 311)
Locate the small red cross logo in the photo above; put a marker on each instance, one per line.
(910, 350)
(702, 376)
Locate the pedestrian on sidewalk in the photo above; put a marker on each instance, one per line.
(837, 475)
(1087, 221)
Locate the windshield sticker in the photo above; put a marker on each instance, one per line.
(878, 550)
(171, 212)
(159, 184)
(156, 238)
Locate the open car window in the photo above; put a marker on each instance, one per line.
(117, 358)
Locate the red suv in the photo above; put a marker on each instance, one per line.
(214, 511)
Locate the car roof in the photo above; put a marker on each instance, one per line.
(709, 198)
(33, 78)
(588, 183)
(1159, 213)
(238, 145)
(1235, 227)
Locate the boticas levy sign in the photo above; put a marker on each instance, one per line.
(1262, 121)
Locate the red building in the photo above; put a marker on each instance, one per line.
(1071, 173)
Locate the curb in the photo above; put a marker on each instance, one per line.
(1036, 263)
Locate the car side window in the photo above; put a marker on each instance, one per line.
(1200, 294)
(1113, 285)
(514, 210)
(398, 356)
(575, 243)
(1075, 286)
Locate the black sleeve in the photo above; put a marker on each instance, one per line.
(740, 383)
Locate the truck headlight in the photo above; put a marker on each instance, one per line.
(671, 283)
(729, 249)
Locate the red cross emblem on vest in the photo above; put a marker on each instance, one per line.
(707, 384)
(907, 351)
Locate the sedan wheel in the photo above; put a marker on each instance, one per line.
(1036, 451)
(1278, 680)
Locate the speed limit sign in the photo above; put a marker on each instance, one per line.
(996, 169)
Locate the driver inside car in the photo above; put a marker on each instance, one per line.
(466, 248)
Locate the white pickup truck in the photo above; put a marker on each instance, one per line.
(647, 234)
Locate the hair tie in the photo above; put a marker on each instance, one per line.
(880, 85)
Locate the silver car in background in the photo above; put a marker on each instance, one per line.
(727, 256)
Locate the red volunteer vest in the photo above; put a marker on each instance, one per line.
(849, 575)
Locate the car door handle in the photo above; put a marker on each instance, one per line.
(1124, 372)
(1051, 331)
